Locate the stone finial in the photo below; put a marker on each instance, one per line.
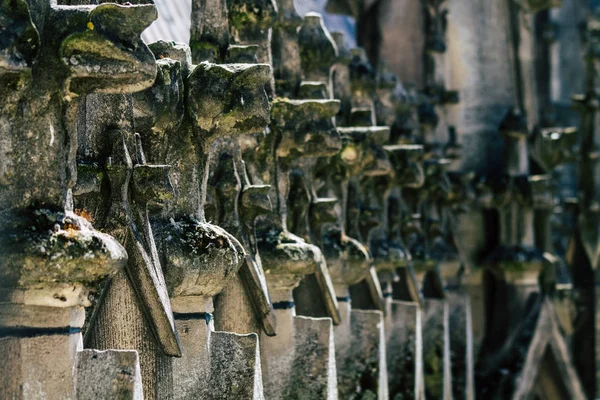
(406, 160)
(362, 83)
(250, 23)
(340, 80)
(554, 146)
(363, 156)
(234, 99)
(69, 36)
(239, 204)
(347, 259)
(304, 128)
(62, 240)
(133, 185)
(159, 111)
(318, 51)
(394, 105)
(206, 255)
(58, 248)
(209, 36)
(286, 53)
(176, 52)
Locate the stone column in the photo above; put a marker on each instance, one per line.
(288, 258)
(51, 256)
(202, 259)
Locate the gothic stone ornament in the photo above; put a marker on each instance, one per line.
(395, 107)
(340, 80)
(362, 83)
(201, 258)
(348, 260)
(589, 213)
(364, 161)
(300, 341)
(317, 54)
(539, 344)
(250, 24)
(233, 192)
(62, 248)
(96, 70)
(516, 263)
(141, 291)
(317, 49)
(285, 48)
(306, 130)
(408, 172)
(298, 128)
(221, 112)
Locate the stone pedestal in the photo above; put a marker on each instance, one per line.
(298, 363)
(38, 346)
(436, 349)
(404, 343)
(235, 367)
(111, 374)
(214, 365)
(361, 354)
(191, 373)
(461, 346)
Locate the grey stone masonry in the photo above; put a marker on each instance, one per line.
(263, 213)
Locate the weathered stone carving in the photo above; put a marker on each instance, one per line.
(180, 205)
(52, 256)
(201, 257)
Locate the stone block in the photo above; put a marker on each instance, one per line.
(191, 372)
(235, 367)
(314, 374)
(361, 355)
(436, 350)
(37, 367)
(404, 350)
(461, 345)
(38, 346)
(110, 374)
